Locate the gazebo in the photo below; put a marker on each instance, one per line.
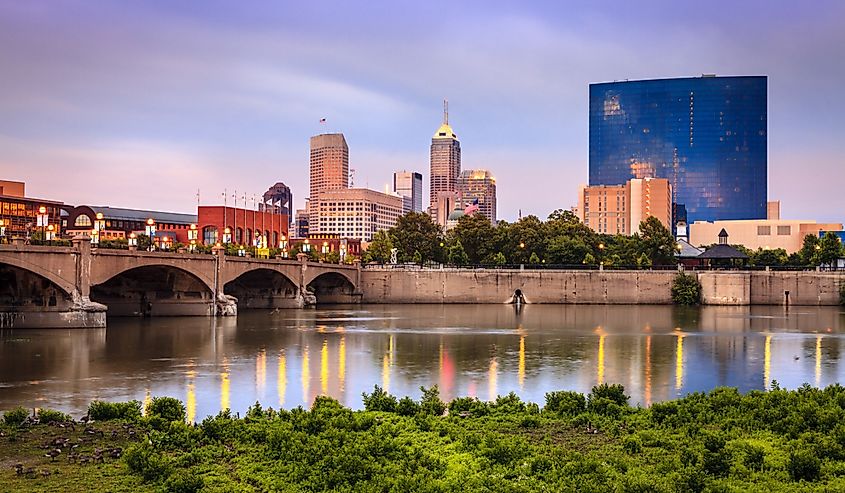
(723, 255)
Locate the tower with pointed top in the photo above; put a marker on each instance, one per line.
(445, 162)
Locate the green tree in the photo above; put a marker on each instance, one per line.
(564, 249)
(770, 257)
(534, 258)
(476, 234)
(643, 262)
(830, 249)
(807, 254)
(499, 259)
(524, 237)
(563, 215)
(658, 242)
(589, 259)
(379, 249)
(457, 254)
(416, 232)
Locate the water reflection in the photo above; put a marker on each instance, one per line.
(657, 352)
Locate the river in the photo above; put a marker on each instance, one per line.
(286, 358)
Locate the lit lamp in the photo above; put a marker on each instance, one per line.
(2, 228)
(227, 235)
(283, 242)
(521, 244)
(133, 241)
(325, 247)
(51, 232)
(95, 238)
(151, 232)
(284, 253)
(342, 254)
(42, 221)
(306, 247)
(193, 235)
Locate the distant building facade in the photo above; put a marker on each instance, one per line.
(278, 199)
(445, 163)
(118, 223)
(706, 135)
(761, 233)
(301, 223)
(619, 209)
(480, 185)
(19, 214)
(445, 205)
(409, 184)
(356, 212)
(329, 169)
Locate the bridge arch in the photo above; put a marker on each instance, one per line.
(264, 287)
(333, 287)
(66, 285)
(23, 290)
(154, 289)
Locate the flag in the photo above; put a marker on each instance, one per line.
(471, 208)
(322, 120)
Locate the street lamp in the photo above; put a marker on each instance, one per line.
(227, 235)
(132, 241)
(193, 235)
(325, 247)
(42, 221)
(151, 232)
(95, 238)
(521, 244)
(50, 232)
(283, 242)
(2, 228)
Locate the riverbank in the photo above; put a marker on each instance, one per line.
(624, 287)
(722, 441)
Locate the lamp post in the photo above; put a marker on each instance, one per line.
(99, 225)
(95, 238)
(192, 237)
(227, 235)
(151, 232)
(2, 229)
(132, 242)
(42, 221)
(601, 255)
(51, 233)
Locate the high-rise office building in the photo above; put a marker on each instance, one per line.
(278, 199)
(409, 185)
(356, 212)
(480, 185)
(706, 135)
(329, 169)
(619, 209)
(445, 161)
(329, 163)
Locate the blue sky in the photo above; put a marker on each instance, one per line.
(138, 104)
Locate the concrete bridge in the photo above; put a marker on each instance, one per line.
(42, 286)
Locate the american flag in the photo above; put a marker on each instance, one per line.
(322, 120)
(471, 208)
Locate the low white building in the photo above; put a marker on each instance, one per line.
(356, 212)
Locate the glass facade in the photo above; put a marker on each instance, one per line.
(706, 135)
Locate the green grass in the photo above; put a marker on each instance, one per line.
(720, 441)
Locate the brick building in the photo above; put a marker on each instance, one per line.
(19, 214)
(246, 227)
(118, 223)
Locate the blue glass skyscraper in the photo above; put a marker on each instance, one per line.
(706, 135)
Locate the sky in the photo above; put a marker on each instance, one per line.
(141, 104)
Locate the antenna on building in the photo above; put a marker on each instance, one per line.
(445, 111)
(351, 178)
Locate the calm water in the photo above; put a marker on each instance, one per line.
(287, 358)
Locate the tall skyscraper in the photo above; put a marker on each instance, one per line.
(706, 135)
(329, 169)
(445, 161)
(409, 185)
(329, 163)
(619, 209)
(480, 185)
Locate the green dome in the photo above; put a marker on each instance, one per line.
(456, 214)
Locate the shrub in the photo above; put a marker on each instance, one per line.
(166, 408)
(16, 416)
(51, 416)
(565, 402)
(632, 445)
(105, 411)
(407, 407)
(803, 465)
(613, 392)
(379, 400)
(430, 402)
(183, 482)
(754, 457)
(686, 289)
(470, 405)
(146, 462)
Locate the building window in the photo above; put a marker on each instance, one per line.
(82, 220)
(784, 230)
(764, 230)
(209, 235)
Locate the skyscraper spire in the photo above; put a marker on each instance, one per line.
(445, 111)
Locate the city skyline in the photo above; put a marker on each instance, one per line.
(183, 97)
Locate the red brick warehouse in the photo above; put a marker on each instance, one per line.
(245, 226)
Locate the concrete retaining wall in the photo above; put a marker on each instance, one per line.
(593, 287)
